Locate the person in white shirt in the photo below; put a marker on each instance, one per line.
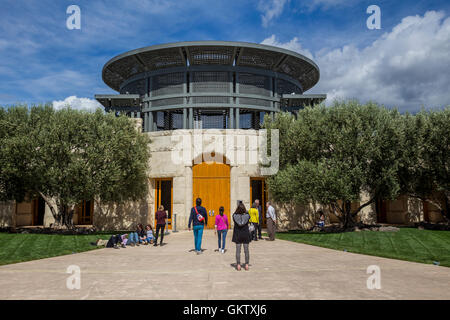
(271, 221)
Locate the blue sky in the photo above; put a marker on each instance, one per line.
(401, 65)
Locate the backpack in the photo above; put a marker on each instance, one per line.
(199, 216)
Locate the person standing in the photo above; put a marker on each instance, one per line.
(161, 220)
(198, 218)
(260, 214)
(254, 220)
(241, 235)
(221, 228)
(271, 221)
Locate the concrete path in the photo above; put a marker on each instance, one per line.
(279, 270)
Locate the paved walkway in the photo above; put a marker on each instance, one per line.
(279, 270)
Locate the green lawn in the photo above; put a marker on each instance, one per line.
(18, 247)
(407, 244)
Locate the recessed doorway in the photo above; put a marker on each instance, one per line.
(258, 190)
(164, 196)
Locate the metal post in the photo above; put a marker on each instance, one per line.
(191, 118)
(167, 229)
(150, 121)
(184, 118)
(146, 122)
(154, 123)
(174, 224)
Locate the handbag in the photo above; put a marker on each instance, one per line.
(251, 227)
(199, 216)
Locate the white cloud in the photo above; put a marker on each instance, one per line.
(293, 45)
(325, 4)
(77, 103)
(406, 67)
(271, 9)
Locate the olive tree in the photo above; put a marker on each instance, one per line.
(68, 156)
(425, 170)
(332, 155)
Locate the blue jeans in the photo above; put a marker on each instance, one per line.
(222, 234)
(198, 233)
(133, 237)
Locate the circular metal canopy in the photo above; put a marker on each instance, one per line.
(193, 53)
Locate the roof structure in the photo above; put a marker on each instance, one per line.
(195, 53)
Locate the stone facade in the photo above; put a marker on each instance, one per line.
(237, 147)
(173, 155)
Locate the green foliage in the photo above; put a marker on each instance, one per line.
(67, 156)
(332, 155)
(19, 247)
(426, 160)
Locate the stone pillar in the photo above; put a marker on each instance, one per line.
(179, 202)
(237, 118)
(151, 202)
(234, 173)
(183, 220)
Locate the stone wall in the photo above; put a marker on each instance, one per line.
(402, 210)
(7, 210)
(295, 217)
(112, 216)
(167, 161)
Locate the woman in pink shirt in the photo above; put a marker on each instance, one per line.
(220, 228)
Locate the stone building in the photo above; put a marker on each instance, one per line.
(202, 104)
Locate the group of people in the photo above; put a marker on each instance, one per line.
(247, 227)
(141, 235)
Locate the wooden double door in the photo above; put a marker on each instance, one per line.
(211, 183)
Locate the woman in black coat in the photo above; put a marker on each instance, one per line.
(241, 234)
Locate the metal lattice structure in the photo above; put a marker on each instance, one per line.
(208, 84)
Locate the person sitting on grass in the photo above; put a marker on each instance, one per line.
(321, 222)
(142, 234)
(113, 241)
(124, 240)
(149, 231)
(135, 237)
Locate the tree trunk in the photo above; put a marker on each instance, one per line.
(62, 214)
(446, 211)
(349, 221)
